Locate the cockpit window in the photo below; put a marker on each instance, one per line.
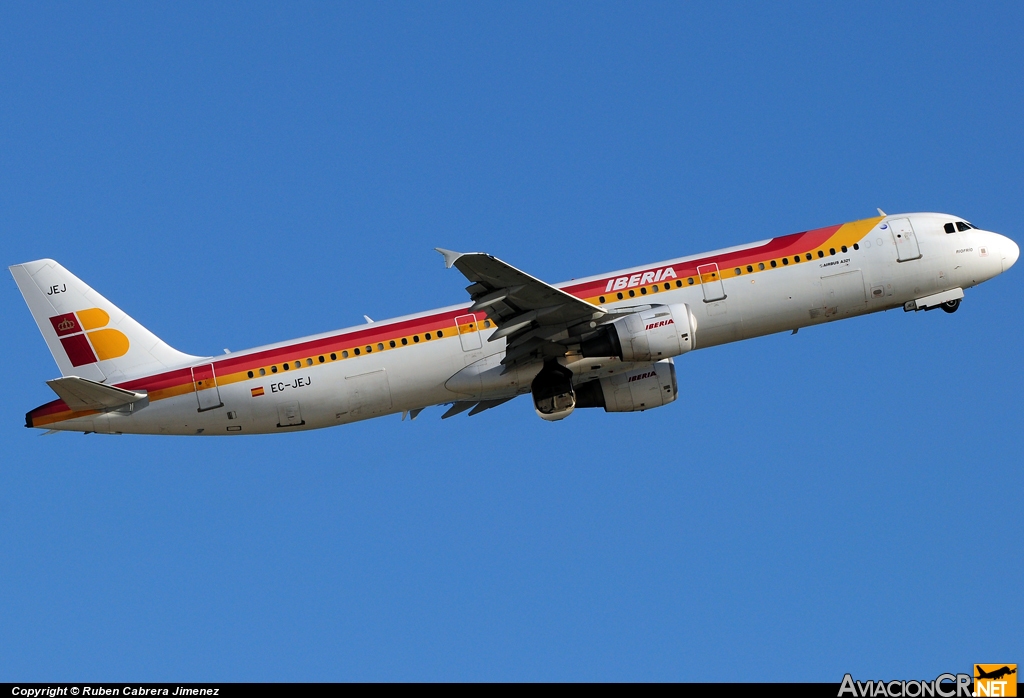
(949, 228)
(961, 226)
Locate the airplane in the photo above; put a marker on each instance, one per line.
(605, 341)
(995, 674)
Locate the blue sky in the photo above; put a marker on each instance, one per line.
(840, 500)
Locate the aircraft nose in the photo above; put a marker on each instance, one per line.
(1010, 252)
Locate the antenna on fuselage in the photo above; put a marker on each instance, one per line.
(881, 212)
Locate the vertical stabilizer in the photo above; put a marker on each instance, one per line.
(89, 336)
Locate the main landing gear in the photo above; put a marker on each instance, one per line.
(951, 306)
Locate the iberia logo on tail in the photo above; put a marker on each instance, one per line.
(86, 337)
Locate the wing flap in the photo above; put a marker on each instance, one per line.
(458, 408)
(487, 404)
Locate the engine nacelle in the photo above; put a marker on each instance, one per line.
(553, 396)
(659, 332)
(635, 391)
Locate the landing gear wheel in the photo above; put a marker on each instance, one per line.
(951, 306)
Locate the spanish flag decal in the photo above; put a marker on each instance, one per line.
(256, 392)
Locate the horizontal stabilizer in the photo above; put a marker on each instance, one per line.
(81, 394)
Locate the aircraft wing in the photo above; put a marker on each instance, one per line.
(82, 394)
(533, 316)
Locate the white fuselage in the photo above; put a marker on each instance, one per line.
(463, 366)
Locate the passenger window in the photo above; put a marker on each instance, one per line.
(750, 268)
(856, 246)
(487, 323)
(404, 341)
(785, 260)
(250, 374)
(309, 362)
(632, 294)
(796, 258)
(380, 347)
(961, 226)
(619, 294)
(273, 369)
(844, 249)
(416, 337)
(831, 250)
(263, 371)
(679, 284)
(667, 285)
(949, 228)
(426, 336)
(690, 281)
(286, 365)
(334, 357)
(774, 264)
(821, 253)
(760, 266)
(809, 256)
(356, 351)
(643, 291)
(738, 271)
(320, 358)
(601, 299)
(369, 349)
(391, 344)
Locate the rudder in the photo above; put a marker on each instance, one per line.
(89, 336)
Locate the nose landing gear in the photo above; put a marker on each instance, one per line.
(951, 306)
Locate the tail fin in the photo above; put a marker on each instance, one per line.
(89, 336)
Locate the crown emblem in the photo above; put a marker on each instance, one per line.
(65, 325)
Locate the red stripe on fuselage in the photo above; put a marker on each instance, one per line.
(49, 408)
(797, 243)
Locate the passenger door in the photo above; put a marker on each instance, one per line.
(903, 235)
(205, 382)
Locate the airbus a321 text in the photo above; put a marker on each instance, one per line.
(605, 341)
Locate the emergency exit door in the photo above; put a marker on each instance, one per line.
(469, 332)
(711, 282)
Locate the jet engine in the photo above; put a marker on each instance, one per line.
(636, 391)
(657, 333)
(553, 396)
